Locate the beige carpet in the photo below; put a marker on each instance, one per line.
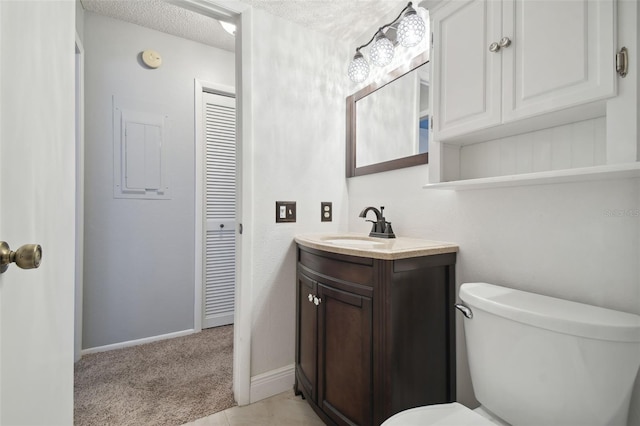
(170, 382)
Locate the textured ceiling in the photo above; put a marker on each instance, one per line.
(343, 19)
(165, 17)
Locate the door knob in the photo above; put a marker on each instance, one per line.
(26, 257)
(494, 47)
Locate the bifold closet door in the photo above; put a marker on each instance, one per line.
(220, 210)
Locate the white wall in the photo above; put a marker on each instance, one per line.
(299, 85)
(139, 254)
(578, 241)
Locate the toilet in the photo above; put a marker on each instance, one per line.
(538, 360)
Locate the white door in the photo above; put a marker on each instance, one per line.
(220, 209)
(37, 197)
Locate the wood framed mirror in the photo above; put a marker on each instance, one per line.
(384, 120)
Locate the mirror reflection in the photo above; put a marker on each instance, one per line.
(388, 121)
(393, 121)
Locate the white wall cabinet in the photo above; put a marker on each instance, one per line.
(560, 55)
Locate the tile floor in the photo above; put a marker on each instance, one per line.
(284, 409)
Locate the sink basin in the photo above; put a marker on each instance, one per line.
(355, 243)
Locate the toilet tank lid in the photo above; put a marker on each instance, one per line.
(550, 313)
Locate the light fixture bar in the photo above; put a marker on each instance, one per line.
(410, 31)
(385, 26)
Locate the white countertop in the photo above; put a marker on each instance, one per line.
(378, 248)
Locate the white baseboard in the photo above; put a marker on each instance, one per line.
(136, 342)
(272, 383)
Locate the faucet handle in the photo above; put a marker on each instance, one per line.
(389, 230)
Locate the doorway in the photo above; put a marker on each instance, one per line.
(152, 211)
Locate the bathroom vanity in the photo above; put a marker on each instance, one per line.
(375, 326)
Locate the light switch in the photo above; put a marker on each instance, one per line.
(285, 211)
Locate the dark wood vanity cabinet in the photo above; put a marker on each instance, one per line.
(374, 337)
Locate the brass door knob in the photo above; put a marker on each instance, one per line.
(28, 256)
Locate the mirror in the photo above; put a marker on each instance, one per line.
(387, 121)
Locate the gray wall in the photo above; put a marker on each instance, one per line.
(139, 254)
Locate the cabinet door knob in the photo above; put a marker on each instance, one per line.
(505, 42)
(310, 297)
(317, 301)
(494, 47)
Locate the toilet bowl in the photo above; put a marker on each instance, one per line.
(540, 360)
(452, 414)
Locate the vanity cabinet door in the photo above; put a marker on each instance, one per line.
(561, 55)
(467, 76)
(306, 337)
(345, 388)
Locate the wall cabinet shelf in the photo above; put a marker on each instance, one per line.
(373, 336)
(613, 171)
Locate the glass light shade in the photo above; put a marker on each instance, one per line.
(358, 68)
(411, 29)
(381, 52)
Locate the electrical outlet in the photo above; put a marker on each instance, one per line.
(326, 208)
(285, 211)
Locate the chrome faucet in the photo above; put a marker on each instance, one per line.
(381, 228)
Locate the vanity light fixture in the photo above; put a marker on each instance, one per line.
(381, 53)
(411, 28)
(358, 68)
(408, 30)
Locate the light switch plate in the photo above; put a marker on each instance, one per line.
(326, 211)
(285, 211)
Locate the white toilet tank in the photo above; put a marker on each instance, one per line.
(538, 360)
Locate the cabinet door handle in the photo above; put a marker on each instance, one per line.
(317, 301)
(504, 42)
(310, 297)
(496, 46)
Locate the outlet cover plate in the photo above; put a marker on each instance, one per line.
(326, 211)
